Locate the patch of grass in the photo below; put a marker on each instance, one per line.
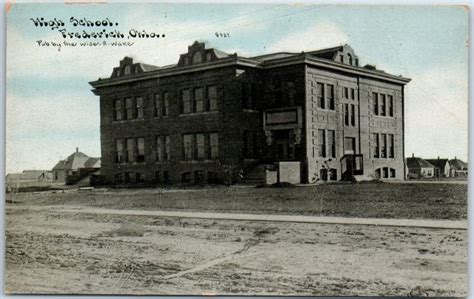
(412, 201)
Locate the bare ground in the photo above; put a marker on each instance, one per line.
(49, 251)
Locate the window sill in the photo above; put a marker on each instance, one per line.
(128, 120)
(198, 161)
(197, 113)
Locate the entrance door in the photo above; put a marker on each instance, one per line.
(285, 151)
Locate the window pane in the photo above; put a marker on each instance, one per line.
(391, 151)
(185, 101)
(390, 105)
(119, 150)
(118, 115)
(332, 143)
(383, 151)
(352, 115)
(321, 143)
(199, 99)
(140, 149)
(382, 105)
(140, 107)
(187, 146)
(346, 114)
(129, 108)
(214, 144)
(159, 148)
(212, 95)
(130, 148)
(376, 143)
(330, 95)
(157, 105)
(201, 149)
(320, 95)
(165, 110)
(167, 148)
(376, 103)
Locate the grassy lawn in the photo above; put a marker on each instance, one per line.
(429, 201)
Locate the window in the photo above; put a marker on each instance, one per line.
(392, 172)
(127, 70)
(130, 150)
(119, 178)
(140, 149)
(323, 174)
(382, 105)
(333, 174)
(197, 57)
(376, 103)
(162, 104)
(199, 99)
(212, 177)
(212, 97)
(118, 112)
(157, 177)
(321, 143)
(129, 109)
(162, 148)
(378, 173)
(390, 105)
(139, 177)
(391, 152)
(383, 148)
(187, 146)
(128, 177)
(346, 114)
(208, 57)
(332, 143)
(385, 172)
(199, 177)
(346, 92)
(186, 60)
(214, 144)
(376, 143)
(352, 94)
(330, 95)
(349, 56)
(186, 178)
(353, 115)
(201, 146)
(139, 105)
(119, 150)
(320, 95)
(185, 101)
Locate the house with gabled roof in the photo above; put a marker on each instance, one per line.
(458, 167)
(419, 168)
(443, 168)
(75, 165)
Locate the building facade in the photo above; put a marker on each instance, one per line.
(213, 117)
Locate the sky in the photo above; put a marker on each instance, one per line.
(51, 110)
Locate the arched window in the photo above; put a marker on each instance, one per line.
(208, 57)
(349, 56)
(126, 70)
(186, 60)
(197, 57)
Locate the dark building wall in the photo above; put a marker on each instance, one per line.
(229, 121)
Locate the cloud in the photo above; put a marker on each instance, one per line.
(318, 36)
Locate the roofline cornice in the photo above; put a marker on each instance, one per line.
(302, 58)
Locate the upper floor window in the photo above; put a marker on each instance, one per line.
(197, 57)
(127, 70)
(162, 104)
(118, 109)
(383, 104)
(201, 99)
(322, 143)
(349, 57)
(383, 145)
(208, 57)
(320, 95)
(139, 107)
(162, 148)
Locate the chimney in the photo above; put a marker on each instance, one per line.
(413, 155)
(77, 149)
(438, 157)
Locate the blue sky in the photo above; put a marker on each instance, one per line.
(51, 110)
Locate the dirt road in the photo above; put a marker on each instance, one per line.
(49, 251)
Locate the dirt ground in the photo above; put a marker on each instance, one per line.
(49, 251)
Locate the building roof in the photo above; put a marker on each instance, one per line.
(92, 163)
(438, 163)
(415, 162)
(458, 164)
(76, 160)
(328, 58)
(35, 174)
